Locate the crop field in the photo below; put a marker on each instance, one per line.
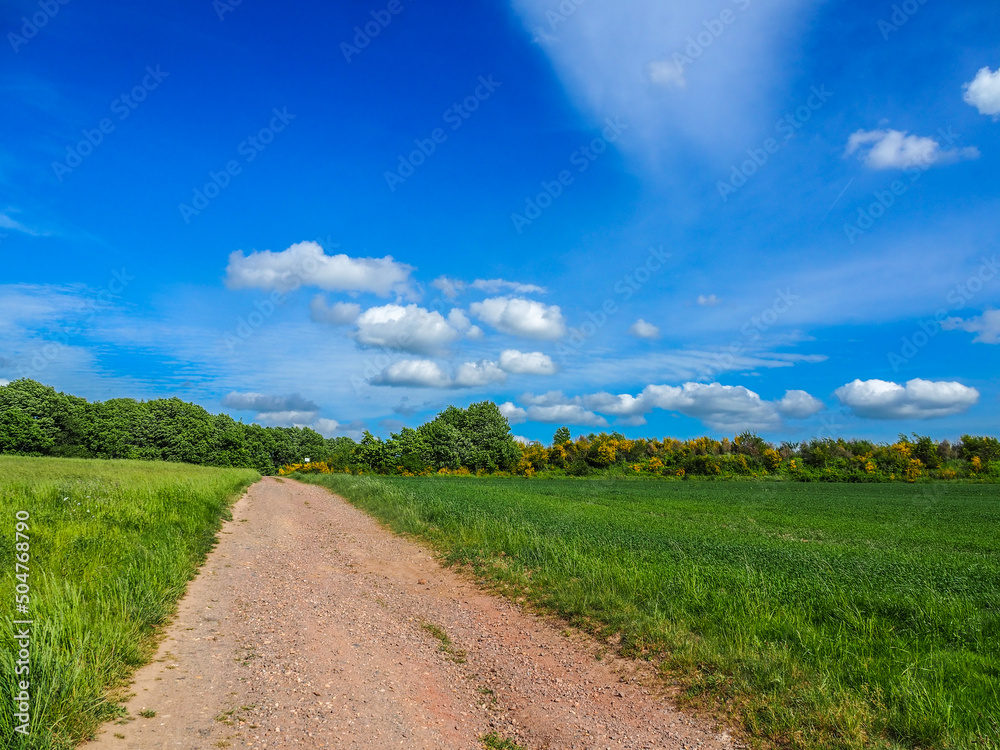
(814, 615)
(111, 546)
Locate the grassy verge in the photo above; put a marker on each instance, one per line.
(112, 547)
(816, 616)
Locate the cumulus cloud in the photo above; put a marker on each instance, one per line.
(471, 374)
(643, 330)
(514, 414)
(521, 317)
(419, 373)
(408, 329)
(292, 410)
(260, 402)
(286, 418)
(798, 405)
(4, 382)
(983, 92)
(986, 327)
(622, 405)
(337, 314)
(425, 373)
(526, 363)
(305, 264)
(326, 427)
(565, 414)
(458, 320)
(918, 399)
(708, 301)
(895, 149)
(722, 407)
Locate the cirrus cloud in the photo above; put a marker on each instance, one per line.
(917, 399)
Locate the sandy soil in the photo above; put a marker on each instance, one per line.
(311, 626)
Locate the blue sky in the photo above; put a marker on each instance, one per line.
(661, 218)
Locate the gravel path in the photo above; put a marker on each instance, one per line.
(311, 626)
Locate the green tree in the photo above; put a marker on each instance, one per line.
(19, 433)
(562, 436)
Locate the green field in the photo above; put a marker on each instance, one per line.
(112, 547)
(819, 615)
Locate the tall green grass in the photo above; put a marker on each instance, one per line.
(817, 616)
(113, 545)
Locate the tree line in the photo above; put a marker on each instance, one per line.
(37, 420)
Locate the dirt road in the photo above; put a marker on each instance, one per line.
(311, 626)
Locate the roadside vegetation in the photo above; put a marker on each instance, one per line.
(813, 615)
(112, 545)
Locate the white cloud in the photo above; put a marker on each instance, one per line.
(566, 414)
(602, 55)
(523, 440)
(622, 405)
(425, 373)
(408, 329)
(667, 73)
(918, 399)
(337, 314)
(798, 405)
(260, 402)
(644, 330)
(292, 410)
(4, 382)
(471, 374)
(894, 149)
(458, 320)
(521, 317)
(708, 301)
(983, 92)
(723, 407)
(495, 286)
(545, 399)
(326, 427)
(514, 414)
(986, 327)
(449, 287)
(305, 264)
(286, 418)
(420, 373)
(526, 363)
